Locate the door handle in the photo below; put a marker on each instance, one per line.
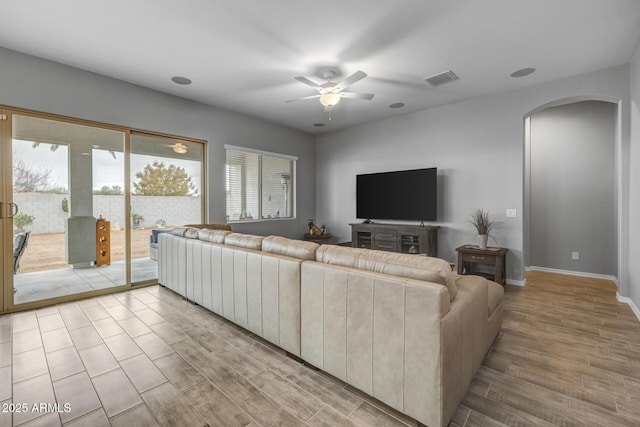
(12, 206)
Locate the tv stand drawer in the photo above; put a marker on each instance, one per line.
(391, 235)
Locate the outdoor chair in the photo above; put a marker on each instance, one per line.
(19, 246)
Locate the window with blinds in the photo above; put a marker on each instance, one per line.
(259, 185)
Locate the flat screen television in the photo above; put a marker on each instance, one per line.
(400, 195)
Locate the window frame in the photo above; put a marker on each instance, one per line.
(261, 154)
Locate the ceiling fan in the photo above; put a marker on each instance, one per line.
(178, 148)
(330, 93)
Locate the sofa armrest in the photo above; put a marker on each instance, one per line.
(157, 231)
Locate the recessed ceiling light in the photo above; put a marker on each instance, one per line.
(523, 72)
(181, 80)
(396, 105)
(318, 125)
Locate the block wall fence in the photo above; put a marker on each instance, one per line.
(50, 218)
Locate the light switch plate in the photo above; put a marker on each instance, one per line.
(511, 213)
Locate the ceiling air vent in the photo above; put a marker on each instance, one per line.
(442, 78)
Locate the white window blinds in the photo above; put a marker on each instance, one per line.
(259, 185)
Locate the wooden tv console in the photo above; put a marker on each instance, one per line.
(408, 239)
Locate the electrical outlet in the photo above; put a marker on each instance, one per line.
(511, 213)
(575, 256)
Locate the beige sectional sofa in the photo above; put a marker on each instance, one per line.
(252, 281)
(403, 328)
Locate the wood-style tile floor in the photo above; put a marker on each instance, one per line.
(148, 358)
(568, 354)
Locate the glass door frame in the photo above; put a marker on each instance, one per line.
(7, 244)
(6, 197)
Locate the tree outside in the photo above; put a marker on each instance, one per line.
(29, 179)
(113, 190)
(158, 179)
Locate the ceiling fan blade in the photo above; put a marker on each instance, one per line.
(300, 99)
(309, 83)
(357, 76)
(352, 95)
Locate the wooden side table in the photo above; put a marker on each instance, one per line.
(471, 257)
(321, 239)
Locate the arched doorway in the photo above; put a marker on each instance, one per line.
(571, 194)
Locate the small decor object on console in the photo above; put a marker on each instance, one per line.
(484, 223)
(313, 228)
(317, 235)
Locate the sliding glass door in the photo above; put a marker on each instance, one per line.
(56, 167)
(166, 191)
(82, 205)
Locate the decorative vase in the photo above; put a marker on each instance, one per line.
(483, 241)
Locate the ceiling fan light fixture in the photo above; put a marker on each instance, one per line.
(179, 148)
(330, 99)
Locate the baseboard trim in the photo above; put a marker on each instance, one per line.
(517, 282)
(574, 273)
(630, 303)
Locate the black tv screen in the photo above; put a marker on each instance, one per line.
(402, 195)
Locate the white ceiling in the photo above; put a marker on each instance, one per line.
(243, 55)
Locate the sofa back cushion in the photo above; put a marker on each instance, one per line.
(213, 236)
(289, 247)
(191, 233)
(179, 231)
(246, 241)
(417, 267)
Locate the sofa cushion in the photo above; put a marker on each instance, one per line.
(289, 247)
(179, 231)
(428, 269)
(246, 241)
(495, 294)
(191, 233)
(213, 236)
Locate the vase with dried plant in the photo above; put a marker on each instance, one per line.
(484, 223)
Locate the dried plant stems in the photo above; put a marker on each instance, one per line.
(482, 221)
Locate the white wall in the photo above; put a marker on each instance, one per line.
(573, 198)
(634, 184)
(36, 84)
(477, 146)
